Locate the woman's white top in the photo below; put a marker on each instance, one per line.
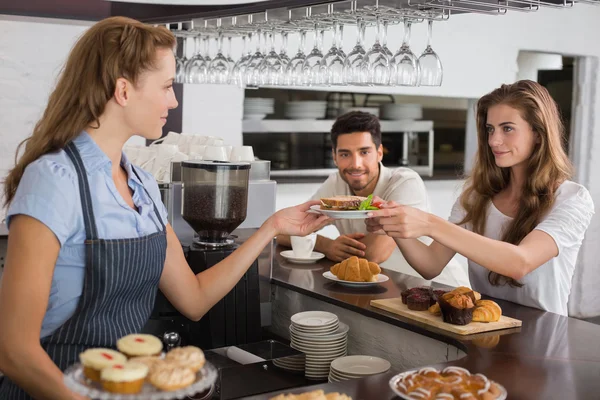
(548, 286)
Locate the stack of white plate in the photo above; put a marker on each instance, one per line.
(391, 111)
(258, 108)
(355, 367)
(305, 109)
(322, 337)
(291, 363)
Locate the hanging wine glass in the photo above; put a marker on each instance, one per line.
(238, 73)
(375, 68)
(430, 65)
(332, 65)
(311, 69)
(195, 67)
(405, 63)
(218, 70)
(271, 70)
(294, 67)
(252, 76)
(353, 63)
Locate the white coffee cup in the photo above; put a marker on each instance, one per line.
(215, 153)
(172, 138)
(197, 149)
(242, 153)
(302, 246)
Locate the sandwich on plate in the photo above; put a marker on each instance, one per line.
(349, 203)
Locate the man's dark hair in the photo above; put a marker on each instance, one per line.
(356, 121)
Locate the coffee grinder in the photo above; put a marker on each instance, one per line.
(214, 204)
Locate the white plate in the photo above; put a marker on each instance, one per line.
(338, 334)
(310, 333)
(314, 257)
(380, 279)
(360, 365)
(314, 318)
(351, 214)
(396, 378)
(319, 345)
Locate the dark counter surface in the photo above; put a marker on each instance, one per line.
(549, 357)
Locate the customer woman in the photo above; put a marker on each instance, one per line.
(520, 221)
(89, 244)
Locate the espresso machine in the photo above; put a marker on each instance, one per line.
(214, 202)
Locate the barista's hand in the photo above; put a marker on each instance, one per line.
(345, 246)
(297, 221)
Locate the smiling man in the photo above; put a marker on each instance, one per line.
(357, 152)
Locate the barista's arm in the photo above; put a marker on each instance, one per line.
(24, 291)
(193, 295)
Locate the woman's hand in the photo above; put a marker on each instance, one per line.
(297, 221)
(403, 222)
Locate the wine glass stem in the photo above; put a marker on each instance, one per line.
(206, 46)
(379, 31)
(272, 41)
(429, 32)
(220, 43)
(249, 42)
(284, 42)
(302, 42)
(384, 34)
(407, 24)
(360, 38)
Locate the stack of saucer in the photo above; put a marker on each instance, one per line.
(291, 363)
(257, 108)
(322, 337)
(354, 367)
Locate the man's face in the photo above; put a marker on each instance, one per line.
(357, 159)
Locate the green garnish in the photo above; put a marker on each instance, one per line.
(366, 203)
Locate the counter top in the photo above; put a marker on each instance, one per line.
(549, 357)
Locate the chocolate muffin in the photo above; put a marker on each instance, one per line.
(425, 291)
(418, 302)
(457, 309)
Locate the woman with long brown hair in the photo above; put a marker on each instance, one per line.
(89, 245)
(520, 221)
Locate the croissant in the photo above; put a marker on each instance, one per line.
(486, 311)
(356, 270)
(465, 290)
(314, 395)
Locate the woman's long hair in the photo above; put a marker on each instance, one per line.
(547, 167)
(116, 47)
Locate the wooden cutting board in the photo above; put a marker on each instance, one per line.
(425, 317)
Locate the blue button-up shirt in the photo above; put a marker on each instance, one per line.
(49, 192)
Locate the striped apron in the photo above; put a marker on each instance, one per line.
(120, 285)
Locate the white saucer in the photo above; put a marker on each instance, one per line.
(380, 279)
(350, 214)
(314, 257)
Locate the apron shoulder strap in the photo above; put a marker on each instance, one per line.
(91, 231)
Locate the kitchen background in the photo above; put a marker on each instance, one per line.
(478, 54)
